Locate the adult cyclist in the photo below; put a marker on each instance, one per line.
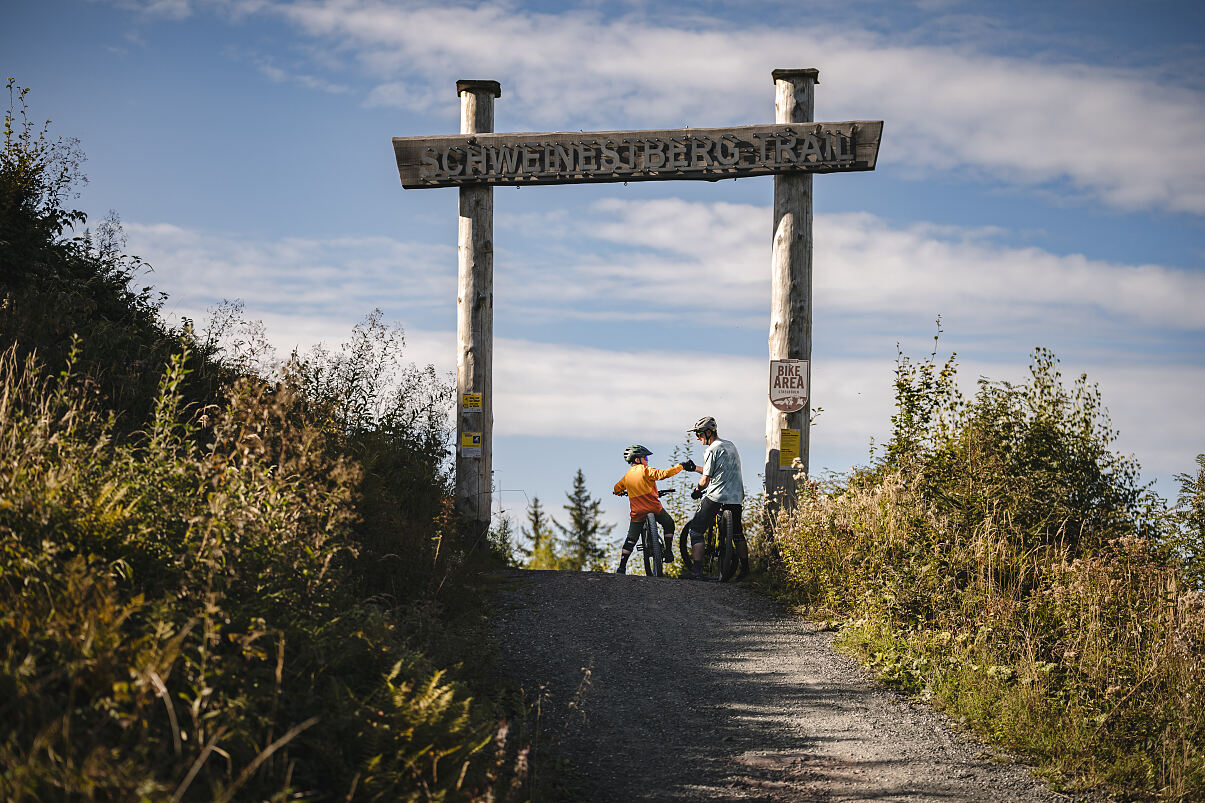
(640, 484)
(721, 488)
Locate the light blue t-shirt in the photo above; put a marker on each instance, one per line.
(723, 465)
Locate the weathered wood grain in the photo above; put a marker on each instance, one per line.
(475, 318)
(707, 154)
(790, 283)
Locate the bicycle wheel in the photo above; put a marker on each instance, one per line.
(728, 559)
(652, 546)
(685, 551)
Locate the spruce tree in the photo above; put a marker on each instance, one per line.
(542, 553)
(585, 532)
(502, 540)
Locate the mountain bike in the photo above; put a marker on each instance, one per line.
(719, 548)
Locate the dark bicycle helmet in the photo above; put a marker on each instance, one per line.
(635, 452)
(704, 423)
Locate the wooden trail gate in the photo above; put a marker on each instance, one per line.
(791, 150)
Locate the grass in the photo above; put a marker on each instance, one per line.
(999, 561)
(221, 578)
(181, 617)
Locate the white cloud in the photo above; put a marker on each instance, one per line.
(862, 267)
(307, 291)
(1127, 138)
(278, 75)
(296, 276)
(863, 264)
(400, 95)
(867, 275)
(573, 392)
(168, 9)
(558, 390)
(1020, 121)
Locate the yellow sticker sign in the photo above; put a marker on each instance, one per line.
(470, 402)
(470, 444)
(788, 447)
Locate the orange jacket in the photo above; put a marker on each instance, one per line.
(641, 484)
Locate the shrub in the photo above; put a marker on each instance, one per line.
(1187, 524)
(999, 559)
(61, 293)
(180, 619)
(216, 580)
(394, 420)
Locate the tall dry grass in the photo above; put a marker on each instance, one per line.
(998, 561)
(179, 618)
(218, 580)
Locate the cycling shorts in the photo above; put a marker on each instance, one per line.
(664, 519)
(709, 514)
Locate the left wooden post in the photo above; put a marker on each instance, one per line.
(475, 323)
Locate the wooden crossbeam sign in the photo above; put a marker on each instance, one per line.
(708, 154)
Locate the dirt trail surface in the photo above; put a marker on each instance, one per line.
(679, 690)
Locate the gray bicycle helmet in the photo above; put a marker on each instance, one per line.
(704, 423)
(635, 452)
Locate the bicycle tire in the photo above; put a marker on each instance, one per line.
(728, 559)
(652, 547)
(658, 546)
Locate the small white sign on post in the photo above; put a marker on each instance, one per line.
(789, 384)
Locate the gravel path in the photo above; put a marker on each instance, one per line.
(677, 690)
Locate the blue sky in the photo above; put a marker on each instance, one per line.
(1041, 181)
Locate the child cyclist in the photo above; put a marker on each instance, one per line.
(640, 484)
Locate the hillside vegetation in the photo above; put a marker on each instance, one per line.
(225, 579)
(999, 559)
(217, 583)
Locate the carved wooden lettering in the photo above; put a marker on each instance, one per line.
(568, 158)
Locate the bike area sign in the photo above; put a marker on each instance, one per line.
(789, 384)
(789, 394)
(791, 150)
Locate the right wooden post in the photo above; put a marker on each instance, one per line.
(790, 286)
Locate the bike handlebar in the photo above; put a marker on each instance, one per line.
(660, 493)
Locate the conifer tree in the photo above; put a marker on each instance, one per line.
(502, 540)
(585, 532)
(537, 525)
(542, 553)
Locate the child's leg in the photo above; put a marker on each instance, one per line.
(629, 545)
(667, 527)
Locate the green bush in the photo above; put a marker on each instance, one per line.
(1187, 523)
(61, 294)
(172, 612)
(218, 581)
(394, 421)
(1000, 560)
